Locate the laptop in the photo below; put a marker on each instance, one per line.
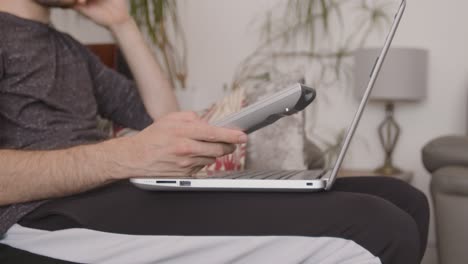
(280, 180)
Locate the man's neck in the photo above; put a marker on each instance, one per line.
(27, 9)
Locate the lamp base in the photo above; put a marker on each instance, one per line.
(388, 170)
(389, 132)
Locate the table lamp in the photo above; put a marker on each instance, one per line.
(403, 78)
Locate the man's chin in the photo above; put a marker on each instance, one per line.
(57, 3)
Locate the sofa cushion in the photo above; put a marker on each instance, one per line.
(450, 180)
(446, 151)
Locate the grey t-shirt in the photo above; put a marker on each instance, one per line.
(51, 91)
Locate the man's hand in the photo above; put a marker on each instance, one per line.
(107, 13)
(153, 85)
(179, 144)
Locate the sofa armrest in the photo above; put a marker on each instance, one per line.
(446, 151)
(450, 180)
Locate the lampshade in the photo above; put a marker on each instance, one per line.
(403, 76)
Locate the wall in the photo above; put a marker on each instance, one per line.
(220, 34)
(79, 27)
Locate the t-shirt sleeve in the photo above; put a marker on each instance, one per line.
(117, 97)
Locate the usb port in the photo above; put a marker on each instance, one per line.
(310, 184)
(185, 183)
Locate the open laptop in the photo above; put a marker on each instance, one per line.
(287, 181)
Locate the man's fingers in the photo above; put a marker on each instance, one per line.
(184, 116)
(195, 170)
(206, 149)
(204, 132)
(193, 127)
(193, 148)
(202, 162)
(191, 163)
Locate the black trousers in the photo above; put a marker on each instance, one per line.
(386, 216)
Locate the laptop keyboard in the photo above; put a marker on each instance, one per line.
(271, 175)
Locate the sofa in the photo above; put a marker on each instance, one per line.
(446, 158)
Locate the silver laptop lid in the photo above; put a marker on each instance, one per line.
(373, 77)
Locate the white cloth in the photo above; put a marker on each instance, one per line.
(88, 246)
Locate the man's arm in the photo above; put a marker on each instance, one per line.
(178, 144)
(36, 175)
(154, 88)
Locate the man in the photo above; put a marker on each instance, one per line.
(52, 89)
(62, 184)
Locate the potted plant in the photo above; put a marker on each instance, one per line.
(159, 20)
(313, 32)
